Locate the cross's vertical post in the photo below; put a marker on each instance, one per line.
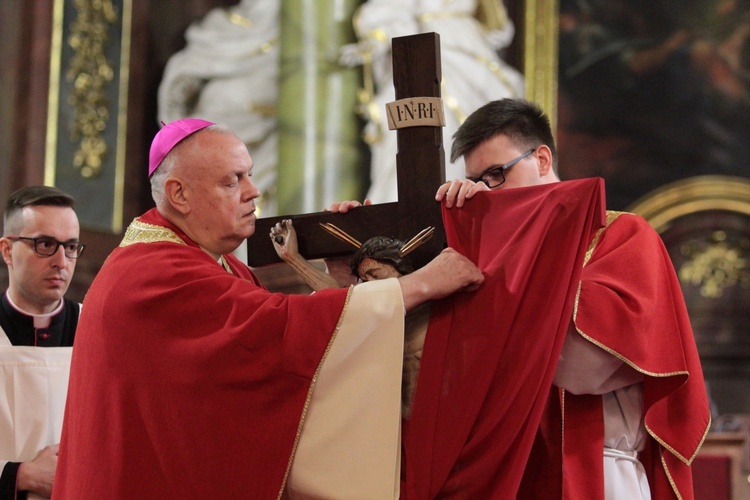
(420, 171)
(420, 161)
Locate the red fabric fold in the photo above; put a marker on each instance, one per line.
(632, 307)
(490, 356)
(187, 381)
(645, 322)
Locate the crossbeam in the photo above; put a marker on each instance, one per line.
(420, 164)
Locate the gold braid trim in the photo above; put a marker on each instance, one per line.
(310, 391)
(562, 439)
(142, 232)
(686, 461)
(626, 360)
(611, 216)
(669, 476)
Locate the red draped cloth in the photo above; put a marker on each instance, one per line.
(633, 308)
(187, 381)
(490, 356)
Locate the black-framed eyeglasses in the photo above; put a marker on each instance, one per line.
(47, 246)
(495, 176)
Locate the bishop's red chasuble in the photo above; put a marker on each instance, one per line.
(490, 356)
(187, 381)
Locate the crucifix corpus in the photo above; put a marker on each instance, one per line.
(417, 115)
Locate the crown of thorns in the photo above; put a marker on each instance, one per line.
(418, 240)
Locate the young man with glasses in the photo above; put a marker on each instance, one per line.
(627, 411)
(40, 246)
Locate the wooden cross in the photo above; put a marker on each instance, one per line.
(420, 164)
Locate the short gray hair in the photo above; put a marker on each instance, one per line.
(168, 164)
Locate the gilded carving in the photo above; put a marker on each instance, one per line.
(90, 73)
(714, 267)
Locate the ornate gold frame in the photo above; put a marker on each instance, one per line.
(695, 194)
(86, 183)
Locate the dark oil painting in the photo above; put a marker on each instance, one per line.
(653, 91)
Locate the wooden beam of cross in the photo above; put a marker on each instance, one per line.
(420, 165)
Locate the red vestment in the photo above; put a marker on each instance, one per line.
(489, 357)
(630, 304)
(187, 381)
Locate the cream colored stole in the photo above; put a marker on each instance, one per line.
(350, 443)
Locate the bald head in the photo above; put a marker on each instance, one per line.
(178, 159)
(203, 186)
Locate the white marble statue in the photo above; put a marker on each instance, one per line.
(228, 73)
(473, 72)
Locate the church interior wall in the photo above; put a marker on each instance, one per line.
(158, 29)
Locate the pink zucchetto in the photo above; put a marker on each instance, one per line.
(169, 136)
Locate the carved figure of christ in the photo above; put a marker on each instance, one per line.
(420, 171)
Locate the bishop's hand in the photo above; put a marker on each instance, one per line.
(447, 273)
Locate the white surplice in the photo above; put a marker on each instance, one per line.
(34, 385)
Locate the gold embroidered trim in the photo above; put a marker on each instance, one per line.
(142, 232)
(310, 391)
(686, 461)
(626, 360)
(611, 216)
(562, 439)
(669, 476)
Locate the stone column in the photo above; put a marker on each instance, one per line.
(320, 152)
